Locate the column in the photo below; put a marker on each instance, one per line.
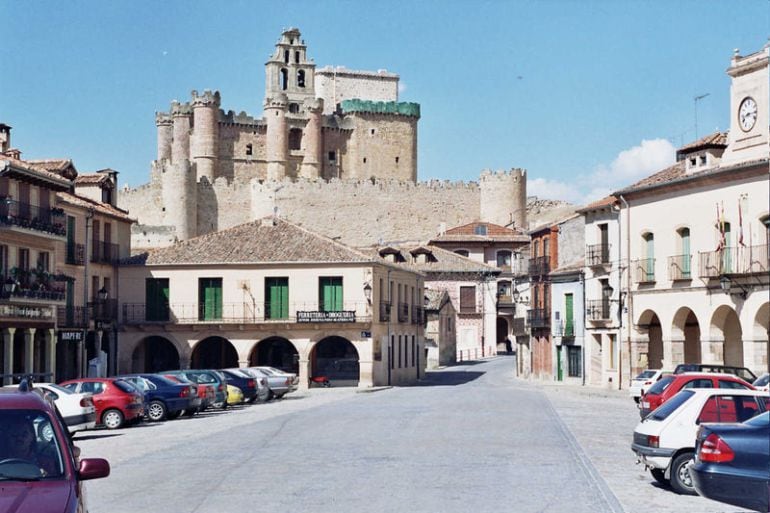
(50, 355)
(79, 357)
(712, 350)
(7, 335)
(673, 353)
(304, 373)
(29, 350)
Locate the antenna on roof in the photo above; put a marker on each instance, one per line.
(275, 215)
(696, 99)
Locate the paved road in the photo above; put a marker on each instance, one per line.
(472, 438)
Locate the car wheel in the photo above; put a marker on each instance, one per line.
(659, 475)
(156, 411)
(681, 481)
(112, 419)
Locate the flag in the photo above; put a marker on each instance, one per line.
(740, 223)
(719, 227)
(722, 238)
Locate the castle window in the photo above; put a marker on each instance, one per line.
(396, 160)
(249, 149)
(294, 108)
(286, 56)
(284, 78)
(332, 156)
(301, 78)
(364, 160)
(372, 131)
(296, 57)
(295, 139)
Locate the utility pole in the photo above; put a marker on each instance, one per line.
(696, 99)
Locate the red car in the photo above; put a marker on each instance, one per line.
(206, 393)
(41, 468)
(117, 401)
(668, 386)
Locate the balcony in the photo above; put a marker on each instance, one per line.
(105, 253)
(242, 313)
(538, 318)
(71, 317)
(76, 254)
(403, 312)
(598, 310)
(104, 310)
(505, 300)
(46, 220)
(597, 254)
(539, 266)
(736, 260)
(680, 267)
(515, 267)
(564, 328)
(384, 311)
(644, 270)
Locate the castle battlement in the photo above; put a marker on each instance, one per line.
(409, 109)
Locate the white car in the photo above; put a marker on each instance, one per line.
(77, 410)
(763, 382)
(644, 381)
(664, 441)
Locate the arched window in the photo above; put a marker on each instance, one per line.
(685, 258)
(286, 56)
(284, 79)
(294, 108)
(301, 78)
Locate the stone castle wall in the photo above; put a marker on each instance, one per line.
(337, 84)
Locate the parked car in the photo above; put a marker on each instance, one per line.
(117, 401)
(162, 397)
(641, 383)
(246, 383)
(205, 393)
(263, 389)
(207, 377)
(762, 382)
(664, 441)
(280, 382)
(77, 410)
(234, 395)
(40, 468)
(669, 385)
(741, 372)
(731, 463)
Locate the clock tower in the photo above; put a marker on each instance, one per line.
(749, 107)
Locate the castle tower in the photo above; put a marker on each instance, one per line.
(277, 143)
(178, 180)
(205, 133)
(165, 124)
(312, 140)
(504, 198)
(288, 71)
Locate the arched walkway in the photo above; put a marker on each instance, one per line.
(762, 322)
(502, 333)
(650, 320)
(276, 352)
(154, 354)
(726, 325)
(337, 359)
(686, 327)
(214, 353)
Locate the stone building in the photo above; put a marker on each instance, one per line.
(440, 338)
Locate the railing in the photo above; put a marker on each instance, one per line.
(504, 300)
(33, 217)
(76, 254)
(104, 310)
(597, 254)
(734, 260)
(384, 311)
(680, 267)
(418, 315)
(105, 252)
(47, 294)
(564, 328)
(644, 270)
(539, 266)
(242, 313)
(538, 318)
(598, 309)
(403, 312)
(71, 317)
(516, 267)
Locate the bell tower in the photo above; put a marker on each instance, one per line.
(749, 107)
(288, 71)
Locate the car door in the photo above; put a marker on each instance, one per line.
(728, 383)
(96, 388)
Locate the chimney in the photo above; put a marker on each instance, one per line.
(5, 138)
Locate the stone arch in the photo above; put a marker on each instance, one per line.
(502, 332)
(686, 328)
(155, 354)
(761, 326)
(336, 358)
(276, 352)
(213, 353)
(726, 326)
(650, 321)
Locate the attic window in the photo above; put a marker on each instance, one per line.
(692, 161)
(480, 229)
(702, 160)
(461, 252)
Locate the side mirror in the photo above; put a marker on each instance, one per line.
(93, 468)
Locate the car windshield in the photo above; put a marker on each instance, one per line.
(763, 380)
(161, 380)
(670, 406)
(202, 377)
(60, 388)
(759, 420)
(29, 450)
(646, 374)
(661, 385)
(125, 386)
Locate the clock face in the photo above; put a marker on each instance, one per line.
(747, 114)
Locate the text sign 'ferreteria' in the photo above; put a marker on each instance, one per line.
(344, 316)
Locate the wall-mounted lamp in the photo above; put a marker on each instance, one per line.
(9, 286)
(368, 292)
(103, 294)
(726, 284)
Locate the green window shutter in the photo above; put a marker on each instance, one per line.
(686, 252)
(156, 299)
(330, 292)
(277, 298)
(569, 328)
(210, 298)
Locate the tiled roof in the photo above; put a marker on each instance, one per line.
(436, 299)
(495, 233)
(666, 175)
(102, 208)
(260, 241)
(595, 205)
(717, 139)
(61, 167)
(92, 178)
(27, 168)
(441, 261)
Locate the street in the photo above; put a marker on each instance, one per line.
(471, 438)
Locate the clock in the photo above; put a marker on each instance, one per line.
(747, 114)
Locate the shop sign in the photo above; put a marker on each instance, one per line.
(26, 312)
(71, 336)
(316, 316)
(366, 334)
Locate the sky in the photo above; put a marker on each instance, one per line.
(587, 96)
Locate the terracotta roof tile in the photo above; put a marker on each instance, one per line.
(665, 175)
(436, 299)
(604, 202)
(91, 178)
(102, 208)
(61, 167)
(439, 261)
(495, 233)
(26, 167)
(717, 139)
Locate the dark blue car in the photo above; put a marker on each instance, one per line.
(246, 383)
(162, 397)
(732, 463)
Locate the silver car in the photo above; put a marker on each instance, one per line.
(280, 384)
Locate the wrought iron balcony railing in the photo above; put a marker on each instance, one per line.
(597, 254)
(538, 318)
(598, 309)
(564, 328)
(403, 312)
(734, 260)
(75, 254)
(539, 266)
(105, 253)
(384, 311)
(26, 215)
(71, 317)
(680, 267)
(644, 270)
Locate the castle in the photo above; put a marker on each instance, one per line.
(334, 151)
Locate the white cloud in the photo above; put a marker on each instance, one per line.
(552, 189)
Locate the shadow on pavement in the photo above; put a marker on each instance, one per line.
(448, 378)
(95, 436)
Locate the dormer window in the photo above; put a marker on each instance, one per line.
(692, 161)
(480, 229)
(703, 160)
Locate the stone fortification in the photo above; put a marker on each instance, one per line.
(338, 84)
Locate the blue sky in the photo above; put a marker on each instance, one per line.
(585, 95)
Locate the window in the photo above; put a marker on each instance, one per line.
(702, 160)
(414, 352)
(3, 261)
(286, 56)
(732, 384)
(574, 361)
(23, 264)
(330, 294)
(296, 57)
(727, 261)
(364, 160)
(390, 352)
(569, 327)
(396, 160)
(684, 249)
(71, 252)
(535, 249)
(44, 261)
(249, 149)
(156, 299)
(698, 383)
(107, 285)
(301, 78)
(332, 156)
(276, 298)
(295, 139)
(546, 247)
(480, 229)
(294, 108)
(209, 299)
(461, 252)
(648, 263)
(613, 351)
(692, 161)
(284, 79)
(468, 299)
(503, 259)
(399, 351)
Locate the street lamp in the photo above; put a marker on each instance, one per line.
(103, 294)
(368, 292)
(9, 286)
(725, 283)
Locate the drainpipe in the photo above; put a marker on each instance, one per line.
(583, 344)
(629, 297)
(390, 348)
